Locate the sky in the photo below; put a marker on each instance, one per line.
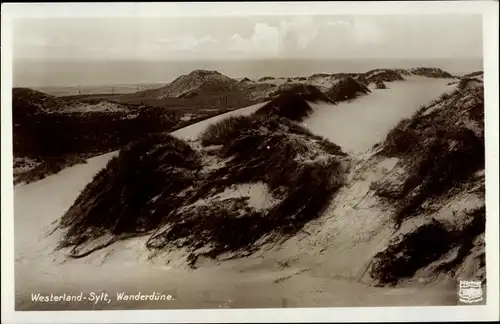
(240, 38)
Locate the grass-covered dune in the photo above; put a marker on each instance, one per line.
(441, 148)
(174, 192)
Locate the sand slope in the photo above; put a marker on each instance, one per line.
(357, 125)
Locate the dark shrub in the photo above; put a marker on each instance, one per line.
(410, 252)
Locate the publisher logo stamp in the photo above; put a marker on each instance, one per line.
(470, 292)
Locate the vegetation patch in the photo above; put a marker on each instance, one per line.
(412, 251)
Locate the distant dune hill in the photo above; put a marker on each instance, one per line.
(198, 91)
(431, 72)
(338, 76)
(375, 76)
(319, 75)
(196, 81)
(346, 89)
(267, 78)
(29, 101)
(245, 80)
(474, 74)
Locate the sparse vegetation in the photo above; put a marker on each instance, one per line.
(48, 165)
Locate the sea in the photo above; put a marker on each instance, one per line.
(137, 75)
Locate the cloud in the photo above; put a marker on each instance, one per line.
(365, 31)
(208, 39)
(291, 35)
(335, 23)
(304, 30)
(359, 31)
(186, 43)
(264, 39)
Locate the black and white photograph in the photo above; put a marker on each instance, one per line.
(258, 161)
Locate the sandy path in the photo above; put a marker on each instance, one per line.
(357, 125)
(213, 288)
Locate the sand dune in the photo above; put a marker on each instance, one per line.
(323, 267)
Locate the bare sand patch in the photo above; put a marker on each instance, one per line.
(359, 124)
